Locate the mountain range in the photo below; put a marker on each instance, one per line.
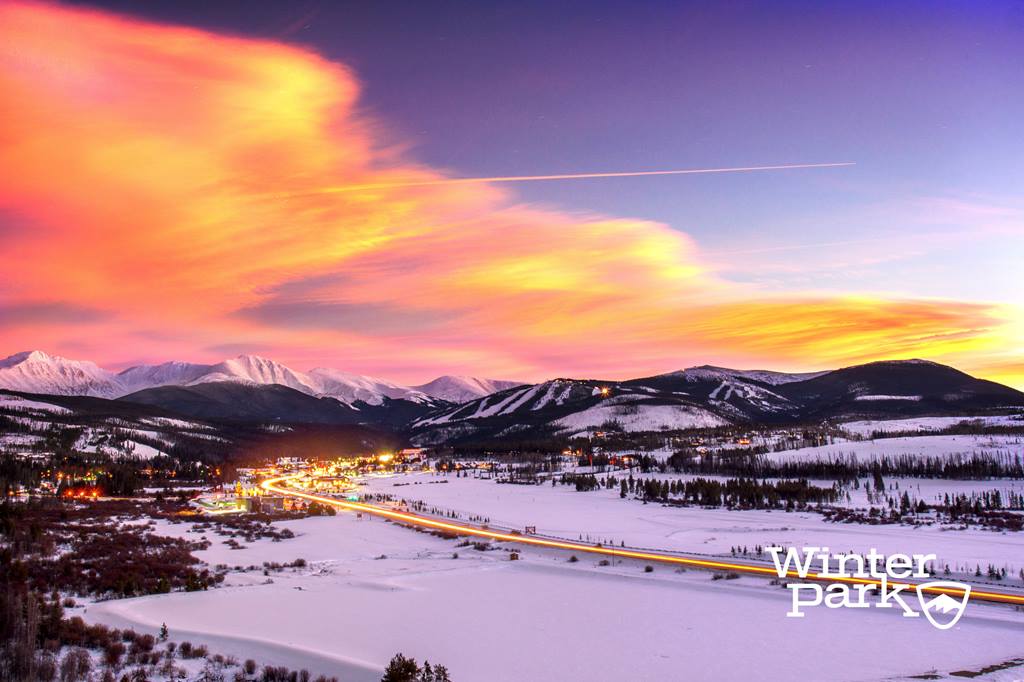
(38, 372)
(451, 408)
(709, 396)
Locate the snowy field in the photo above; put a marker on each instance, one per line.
(600, 515)
(372, 589)
(925, 446)
(866, 427)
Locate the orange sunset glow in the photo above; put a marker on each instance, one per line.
(161, 198)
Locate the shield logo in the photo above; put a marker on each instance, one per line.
(937, 608)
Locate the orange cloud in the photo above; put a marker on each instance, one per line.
(160, 200)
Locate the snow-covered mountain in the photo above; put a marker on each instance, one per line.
(702, 397)
(249, 369)
(569, 407)
(461, 389)
(765, 376)
(37, 372)
(256, 370)
(348, 387)
(729, 392)
(455, 407)
(174, 373)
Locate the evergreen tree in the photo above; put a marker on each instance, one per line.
(401, 669)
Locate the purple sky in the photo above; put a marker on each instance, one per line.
(926, 97)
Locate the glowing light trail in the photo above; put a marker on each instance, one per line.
(461, 529)
(564, 176)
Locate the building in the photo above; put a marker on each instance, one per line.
(267, 503)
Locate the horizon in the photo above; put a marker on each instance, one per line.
(118, 369)
(348, 186)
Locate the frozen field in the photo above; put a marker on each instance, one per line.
(924, 446)
(867, 427)
(540, 618)
(600, 515)
(371, 589)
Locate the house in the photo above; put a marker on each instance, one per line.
(268, 504)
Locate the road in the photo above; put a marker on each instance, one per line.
(276, 485)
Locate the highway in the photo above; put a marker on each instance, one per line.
(276, 485)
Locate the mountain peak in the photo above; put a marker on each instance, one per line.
(351, 387)
(26, 356)
(254, 360)
(252, 357)
(38, 372)
(458, 388)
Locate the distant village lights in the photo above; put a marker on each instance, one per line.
(338, 478)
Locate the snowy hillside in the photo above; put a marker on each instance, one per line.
(865, 428)
(521, 400)
(1007, 447)
(633, 417)
(569, 407)
(30, 423)
(733, 393)
(709, 396)
(763, 375)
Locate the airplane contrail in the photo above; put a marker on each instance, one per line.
(564, 176)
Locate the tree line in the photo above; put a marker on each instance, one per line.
(957, 466)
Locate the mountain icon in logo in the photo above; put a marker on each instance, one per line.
(945, 603)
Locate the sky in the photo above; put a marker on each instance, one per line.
(197, 180)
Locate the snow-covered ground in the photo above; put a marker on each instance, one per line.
(925, 446)
(113, 436)
(600, 515)
(372, 589)
(866, 427)
(18, 440)
(637, 418)
(888, 397)
(18, 403)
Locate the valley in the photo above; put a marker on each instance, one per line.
(674, 479)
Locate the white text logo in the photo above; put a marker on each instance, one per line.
(858, 581)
